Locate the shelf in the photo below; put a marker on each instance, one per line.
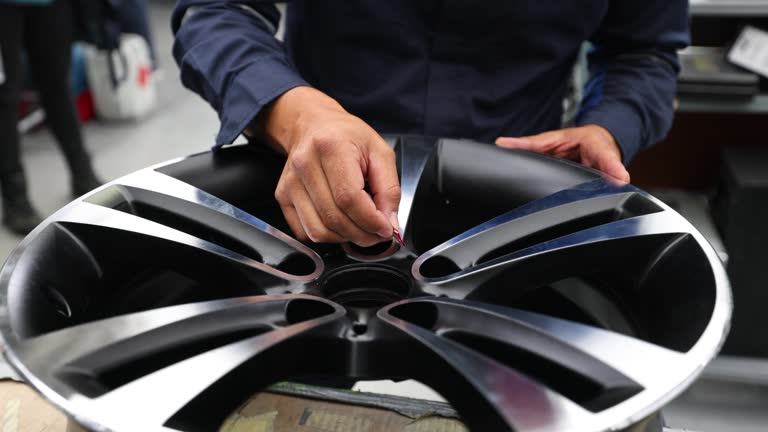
(729, 7)
(715, 104)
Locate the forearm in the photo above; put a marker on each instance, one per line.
(634, 71)
(228, 54)
(635, 99)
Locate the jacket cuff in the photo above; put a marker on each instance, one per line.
(622, 122)
(249, 92)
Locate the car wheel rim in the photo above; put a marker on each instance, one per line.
(533, 294)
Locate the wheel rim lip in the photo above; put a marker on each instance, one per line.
(701, 353)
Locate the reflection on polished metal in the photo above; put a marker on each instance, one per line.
(533, 294)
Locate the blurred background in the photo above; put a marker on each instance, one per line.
(713, 168)
(176, 123)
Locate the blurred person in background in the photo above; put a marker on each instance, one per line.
(44, 30)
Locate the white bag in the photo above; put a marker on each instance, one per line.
(123, 90)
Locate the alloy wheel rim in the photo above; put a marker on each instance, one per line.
(449, 311)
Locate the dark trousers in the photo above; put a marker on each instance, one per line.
(46, 33)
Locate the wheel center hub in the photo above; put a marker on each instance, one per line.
(365, 286)
(372, 253)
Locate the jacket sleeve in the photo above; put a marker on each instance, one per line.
(228, 54)
(633, 71)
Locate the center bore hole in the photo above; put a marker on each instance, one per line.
(366, 286)
(377, 249)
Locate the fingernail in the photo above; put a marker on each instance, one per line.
(393, 219)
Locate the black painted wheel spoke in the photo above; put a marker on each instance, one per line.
(412, 155)
(157, 205)
(571, 233)
(556, 209)
(522, 358)
(607, 358)
(179, 350)
(645, 363)
(179, 385)
(501, 395)
(109, 342)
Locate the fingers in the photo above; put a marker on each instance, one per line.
(385, 184)
(600, 150)
(515, 143)
(543, 143)
(307, 225)
(614, 168)
(344, 176)
(294, 222)
(562, 143)
(591, 145)
(304, 188)
(330, 153)
(298, 210)
(310, 220)
(322, 195)
(600, 156)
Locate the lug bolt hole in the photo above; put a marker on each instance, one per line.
(359, 329)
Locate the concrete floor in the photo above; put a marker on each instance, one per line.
(184, 124)
(181, 124)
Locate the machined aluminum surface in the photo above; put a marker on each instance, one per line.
(534, 294)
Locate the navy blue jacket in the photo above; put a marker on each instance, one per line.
(454, 68)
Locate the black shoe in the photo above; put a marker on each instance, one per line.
(82, 184)
(20, 217)
(18, 214)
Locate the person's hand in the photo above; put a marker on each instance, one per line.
(331, 154)
(593, 146)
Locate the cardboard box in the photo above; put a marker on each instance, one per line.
(286, 408)
(270, 412)
(23, 410)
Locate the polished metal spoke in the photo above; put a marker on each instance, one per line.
(162, 394)
(602, 248)
(568, 205)
(95, 215)
(158, 189)
(606, 357)
(526, 239)
(112, 342)
(52, 350)
(413, 154)
(520, 402)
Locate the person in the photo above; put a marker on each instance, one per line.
(44, 29)
(489, 71)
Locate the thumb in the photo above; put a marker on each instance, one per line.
(614, 168)
(385, 185)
